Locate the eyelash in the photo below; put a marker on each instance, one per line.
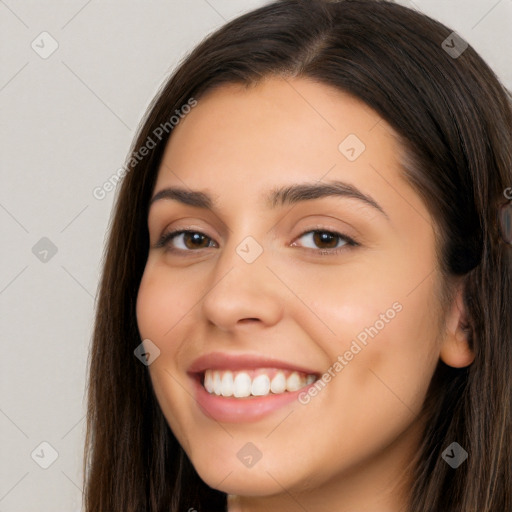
(349, 242)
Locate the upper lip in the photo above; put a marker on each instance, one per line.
(230, 361)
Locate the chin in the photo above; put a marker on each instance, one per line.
(242, 482)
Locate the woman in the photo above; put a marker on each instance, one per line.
(305, 302)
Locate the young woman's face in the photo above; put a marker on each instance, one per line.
(307, 257)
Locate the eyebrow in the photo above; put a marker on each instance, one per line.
(277, 197)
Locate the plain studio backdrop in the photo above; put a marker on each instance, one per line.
(75, 79)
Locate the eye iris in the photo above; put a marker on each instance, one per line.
(324, 237)
(195, 240)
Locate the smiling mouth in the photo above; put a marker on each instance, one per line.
(254, 382)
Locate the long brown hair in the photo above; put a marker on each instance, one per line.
(454, 119)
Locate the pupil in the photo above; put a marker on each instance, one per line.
(193, 240)
(323, 237)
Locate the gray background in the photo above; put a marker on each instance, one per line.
(66, 126)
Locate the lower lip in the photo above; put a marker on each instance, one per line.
(242, 410)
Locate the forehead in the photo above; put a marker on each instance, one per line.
(280, 128)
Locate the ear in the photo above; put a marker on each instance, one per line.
(455, 349)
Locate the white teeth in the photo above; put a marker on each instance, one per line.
(208, 382)
(260, 385)
(293, 382)
(226, 388)
(217, 383)
(278, 384)
(240, 385)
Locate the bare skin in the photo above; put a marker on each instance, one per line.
(303, 300)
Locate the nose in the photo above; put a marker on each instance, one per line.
(242, 291)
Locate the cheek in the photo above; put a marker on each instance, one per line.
(162, 301)
(388, 306)
(386, 347)
(165, 304)
(150, 300)
(379, 336)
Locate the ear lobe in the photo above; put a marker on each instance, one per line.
(455, 349)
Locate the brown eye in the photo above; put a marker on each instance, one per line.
(185, 240)
(323, 240)
(193, 240)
